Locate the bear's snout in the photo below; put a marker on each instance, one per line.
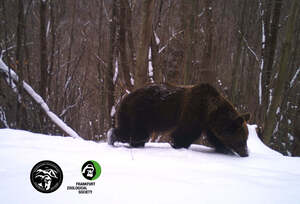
(242, 151)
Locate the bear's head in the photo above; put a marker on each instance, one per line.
(237, 135)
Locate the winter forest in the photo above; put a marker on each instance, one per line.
(81, 57)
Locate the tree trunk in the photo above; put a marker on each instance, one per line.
(43, 50)
(271, 44)
(188, 23)
(207, 74)
(157, 72)
(123, 48)
(265, 10)
(296, 147)
(101, 93)
(235, 90)
(144, 43)
(109, 83)
(19, 62)
(43, 58)
(274, 27)
(130, 35)
(53, 43)
(270, 121)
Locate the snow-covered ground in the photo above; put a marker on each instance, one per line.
(154, 174)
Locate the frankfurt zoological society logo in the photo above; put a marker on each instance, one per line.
(91, 170)
(46, 176)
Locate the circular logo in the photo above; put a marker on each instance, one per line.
(46, 176)
(91, 170)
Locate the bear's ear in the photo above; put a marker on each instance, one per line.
(246, 116)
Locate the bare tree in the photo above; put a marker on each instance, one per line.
(207, 72)
(20, 61)
(123, 36)
(43, 55)
(271, 25)
(109, 74)
(188, 22)
(282, 77)
(144, 43)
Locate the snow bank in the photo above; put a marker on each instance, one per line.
(257, 145)
(154, 174)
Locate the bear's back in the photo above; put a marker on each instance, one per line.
(156, 106)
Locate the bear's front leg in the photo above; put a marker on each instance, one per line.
(219, 146)
(138, 137)
(183, 137)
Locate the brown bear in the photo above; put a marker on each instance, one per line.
(185, 110)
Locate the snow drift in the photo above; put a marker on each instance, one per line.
(154, 174)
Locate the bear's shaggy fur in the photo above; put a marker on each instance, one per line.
(187, 112)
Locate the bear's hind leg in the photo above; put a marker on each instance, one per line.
(119, 135)
(183, 138)
(219, 146)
